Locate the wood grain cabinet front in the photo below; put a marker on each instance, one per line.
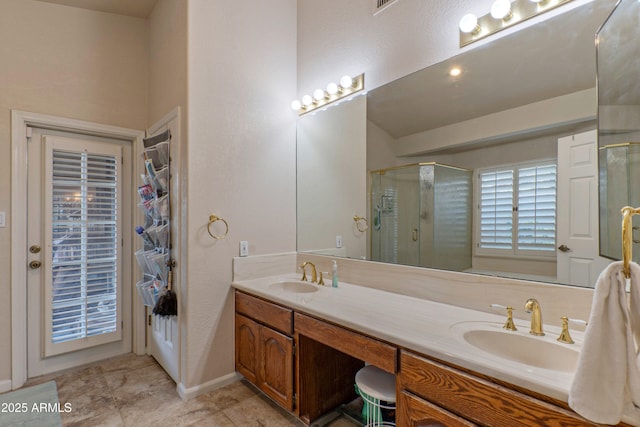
(416, 412)
(470, 398)
(264, 347)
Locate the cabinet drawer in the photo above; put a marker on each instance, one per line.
(415, 412)
(360, 346)
(273, 315)
(476, 399)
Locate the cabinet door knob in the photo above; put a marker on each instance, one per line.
(34, 249)
(34, 265)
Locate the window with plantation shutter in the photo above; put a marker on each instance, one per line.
(537, 208)
(496, 209)
(517, 210)
(82, 301)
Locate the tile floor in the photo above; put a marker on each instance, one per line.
(135, 391)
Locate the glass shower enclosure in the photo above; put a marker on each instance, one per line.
(619, 125)
(421, 215)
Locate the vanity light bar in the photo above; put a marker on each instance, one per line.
(503, 14)
(334, 92)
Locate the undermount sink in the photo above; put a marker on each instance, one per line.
(294, 286)
(518, 346)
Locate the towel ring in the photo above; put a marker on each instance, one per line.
(362, 224)
(213, 218)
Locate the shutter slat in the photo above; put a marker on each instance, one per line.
(85, 205)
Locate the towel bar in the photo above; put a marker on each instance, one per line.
(627, 237)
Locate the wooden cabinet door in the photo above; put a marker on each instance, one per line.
(413, 411)
(247, 348)
(265, 358)
(276, 367)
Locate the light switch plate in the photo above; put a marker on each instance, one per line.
(338, 241)
(244, 248)
(3, 216)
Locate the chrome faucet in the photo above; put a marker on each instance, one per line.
(314, 274)
(533, 306)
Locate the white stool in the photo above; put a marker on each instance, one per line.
(378, 390)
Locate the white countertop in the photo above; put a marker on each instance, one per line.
(421, 325)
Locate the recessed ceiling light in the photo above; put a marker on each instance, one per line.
(455, 72)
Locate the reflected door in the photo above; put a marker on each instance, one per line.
(578, 257)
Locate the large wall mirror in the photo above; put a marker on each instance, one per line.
(481, 173)
(618, 69)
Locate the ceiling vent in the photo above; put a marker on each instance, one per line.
(380, 5)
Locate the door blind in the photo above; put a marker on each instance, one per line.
(84, 236)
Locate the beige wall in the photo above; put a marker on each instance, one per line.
(66, 62)
(241, 158)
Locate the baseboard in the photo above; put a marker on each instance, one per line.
(191, 392)
(5, 385)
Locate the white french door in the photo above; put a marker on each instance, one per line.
(78, 193)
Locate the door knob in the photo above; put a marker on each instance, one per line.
(564, 248)
(34, 249)
(34, 265)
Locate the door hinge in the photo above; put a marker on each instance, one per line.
(294, 349)
(294, 399)
(29, 132)
(149, 319)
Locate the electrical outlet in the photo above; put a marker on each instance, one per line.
(338, 241)
(244, 248)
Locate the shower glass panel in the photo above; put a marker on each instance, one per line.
(618, 66)
(619, 173)
(396, 216)
(422, 216)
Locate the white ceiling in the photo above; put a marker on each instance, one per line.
(136, 8)
(553, 58)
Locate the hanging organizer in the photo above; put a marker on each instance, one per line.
(154, 259)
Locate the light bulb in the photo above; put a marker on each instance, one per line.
(455, 72)
(307, 100)
(318, 94)
(469, 23)
(501, 9)
(332, 88)
(346, 82)
(296, 105)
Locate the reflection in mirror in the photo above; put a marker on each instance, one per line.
(421, 215)
(521, 103)
(618, 123)
(331, 180)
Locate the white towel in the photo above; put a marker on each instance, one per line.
(607, 379)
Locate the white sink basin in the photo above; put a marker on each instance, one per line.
(294, 286)
(519, 346)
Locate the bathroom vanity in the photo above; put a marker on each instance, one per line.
(301, 344)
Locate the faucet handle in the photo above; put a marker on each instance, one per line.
(565, 337)
(321, 280)
(509, 325)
